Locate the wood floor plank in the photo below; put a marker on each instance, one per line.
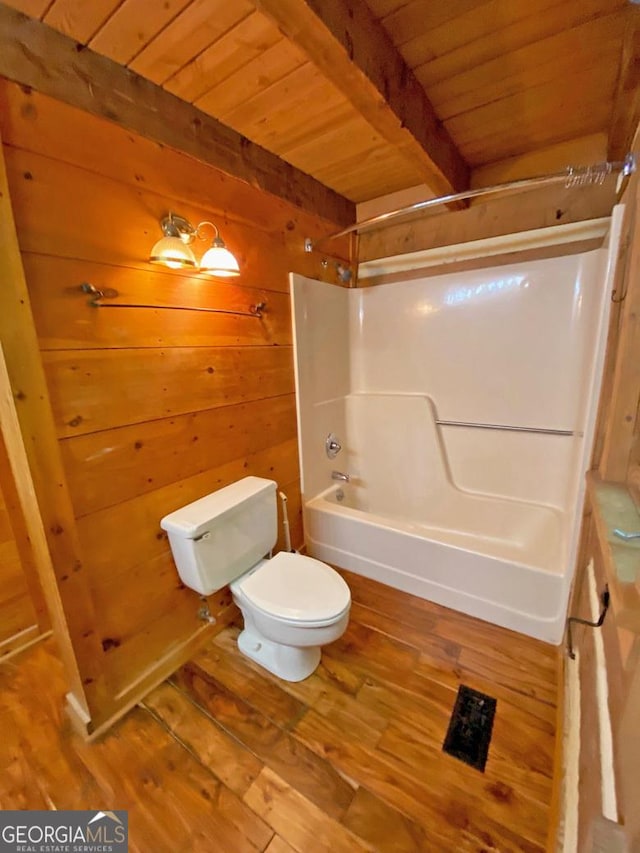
(402, 629)
(38, 772)
(201, 811)
(229, 760)
(496, 642)
(387, 599)
(226, 757)
(519, 677)
(420, 796)
(285, 702)
(441, 622)
(423, 712)
(539, 714)
(298, 821)
(307, 691)
(522, 748)
(373, 653)
(314, 777)
(498, 799)
(387, 829)
(330, 674)
(279, 845)
(254, 687)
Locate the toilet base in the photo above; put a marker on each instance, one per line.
(287, 662)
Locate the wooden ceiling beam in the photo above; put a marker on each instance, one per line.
(351, 48)
(33, 54)
(626, 105)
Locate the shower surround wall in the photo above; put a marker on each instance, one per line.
(518, 345)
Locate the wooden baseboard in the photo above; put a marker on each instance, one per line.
(92, 728)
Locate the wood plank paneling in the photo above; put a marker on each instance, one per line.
(16, 608)
(131, 26)
(201, 24)
(133, 214)
(626, 106)
(554, 158)
(354, 51)
(400, 17)
(487, 79)
(542, 61)
(41, 125)
(79, 20)
(31, 451)
(266, 69)
(34, 8)
(484, 31)
(488, 126)
(144, 539)
(107, 469)
(153, 408)
(64, 321)
(52, 64)
(510, 214)
(161, 382)
(238, 48)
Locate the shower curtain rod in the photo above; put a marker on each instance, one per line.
(572, 176)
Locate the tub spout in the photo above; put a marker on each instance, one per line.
(338, 475)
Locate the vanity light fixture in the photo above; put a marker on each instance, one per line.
(218, 260)
(173, 250)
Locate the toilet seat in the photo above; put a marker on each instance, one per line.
(294, 588)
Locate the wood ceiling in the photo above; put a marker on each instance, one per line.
(370, 98)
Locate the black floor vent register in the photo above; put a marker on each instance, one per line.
(470, 727)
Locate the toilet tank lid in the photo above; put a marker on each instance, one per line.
(192, 520)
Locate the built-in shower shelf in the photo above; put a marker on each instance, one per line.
(613, 507)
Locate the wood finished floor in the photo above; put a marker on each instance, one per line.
(224, 757)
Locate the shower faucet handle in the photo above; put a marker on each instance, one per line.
(332, 446)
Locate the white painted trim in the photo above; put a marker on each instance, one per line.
(570, 785)
(78, 710)
(607, 778)
(537, 238)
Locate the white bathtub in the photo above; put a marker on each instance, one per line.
(498, 560)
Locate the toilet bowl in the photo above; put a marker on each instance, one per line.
(292, 605)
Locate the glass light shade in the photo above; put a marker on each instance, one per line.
(219, 261)
(174, 253)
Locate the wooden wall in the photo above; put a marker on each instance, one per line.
(151, 408)
(18, 621)
(484, 219)
(24, 618)
(611, 654)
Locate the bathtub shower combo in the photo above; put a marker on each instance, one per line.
(446, 423)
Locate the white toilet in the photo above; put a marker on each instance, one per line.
(292, 605)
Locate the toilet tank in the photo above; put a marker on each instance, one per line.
(216, 539)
